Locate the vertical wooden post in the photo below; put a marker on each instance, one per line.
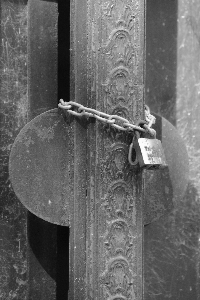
(107, 228)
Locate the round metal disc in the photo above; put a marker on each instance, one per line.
(165, 187)
(39, 167)
(177, 159)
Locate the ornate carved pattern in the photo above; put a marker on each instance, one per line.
(119, 240)
(118, 279)
(121, 13)
(118, 202)
(117, 47)
(118, 87)
(116, 165)
(121, 50)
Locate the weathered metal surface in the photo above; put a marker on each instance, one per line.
(40, 167)
(42, 258)
(114, 194)
(188, 124)
(42, 95)
(163, 188)
(161, 57)
(42, 56)
(177, 157)
(78, 91)
(171, 258)
(42, 154)
(158, 194)
(13, 115)
(150, 153)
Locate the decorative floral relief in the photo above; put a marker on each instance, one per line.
(121, 52)
(119, 240)
(121, 12)
(118, 279)
(119, 202)
(120, 21)
(122, 111)
(117, 165)
(120, 49)
(119, 88)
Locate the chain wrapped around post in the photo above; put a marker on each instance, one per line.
(79, 110)
(120, 123)
(148, 152)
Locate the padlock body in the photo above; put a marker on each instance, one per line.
(150, 153)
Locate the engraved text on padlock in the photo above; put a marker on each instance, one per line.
(150, 153)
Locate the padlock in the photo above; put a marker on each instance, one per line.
(149, 152)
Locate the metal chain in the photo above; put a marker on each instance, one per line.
(79, 110)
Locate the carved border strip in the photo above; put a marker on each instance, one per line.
(114, 205)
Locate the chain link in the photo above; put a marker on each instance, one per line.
(115, 121)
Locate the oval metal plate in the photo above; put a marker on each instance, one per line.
(177, 158)
(39, 167)
(163, 188)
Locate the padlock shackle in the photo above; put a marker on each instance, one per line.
(140, 123)
(135, 162)
(144, 124)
